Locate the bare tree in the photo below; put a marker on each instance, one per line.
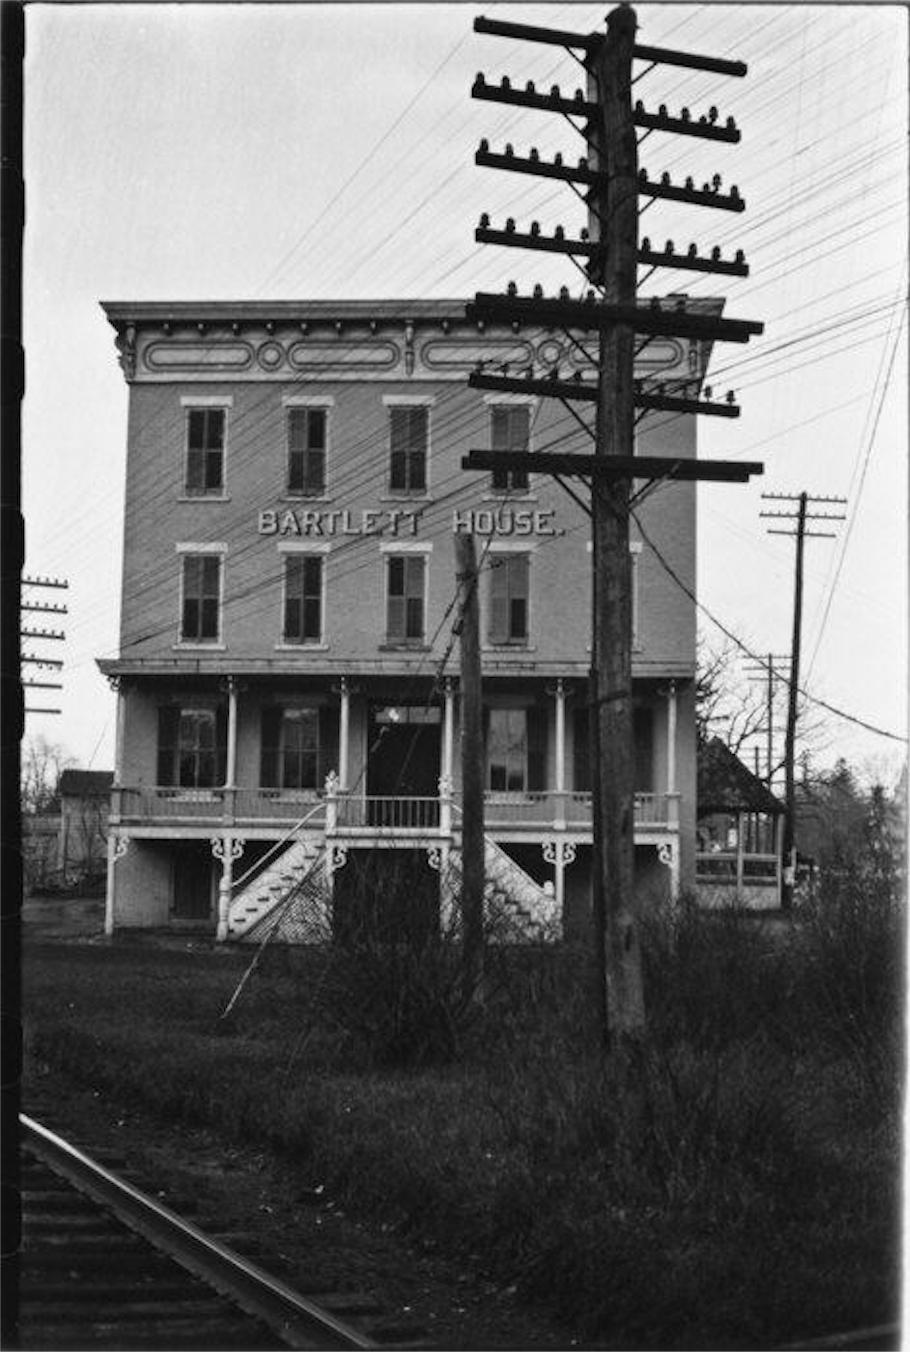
(41, 765)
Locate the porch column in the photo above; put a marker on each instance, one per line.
(448, 733)
(344, 733)
(559, 694)
(671, 738)
(116, 848)
(739, 858)
(120, 741)
(227, 849)
(230, 775)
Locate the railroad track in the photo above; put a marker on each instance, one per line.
(103, 1265)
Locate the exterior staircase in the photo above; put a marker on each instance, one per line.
(296, 869)
(516, 908)
(288, 900)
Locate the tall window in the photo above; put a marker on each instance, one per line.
(200, 621)
(406, 598)
(303, 598)
(409, 439)
(510, 430)
(307, 451)
(191, 747)
(205, 451)
(516, 750)
(299, 746)
(509, 577)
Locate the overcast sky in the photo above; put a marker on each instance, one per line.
(179, 152)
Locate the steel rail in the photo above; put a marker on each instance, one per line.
(298, 1322)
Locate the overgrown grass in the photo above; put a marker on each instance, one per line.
(733, 1184)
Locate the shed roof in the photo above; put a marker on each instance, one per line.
(726, 785)
(85, 783)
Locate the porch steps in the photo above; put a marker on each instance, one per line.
(517, 909)
(267, 889)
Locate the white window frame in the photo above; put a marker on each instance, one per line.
(395, 550)
(183, 548)
(189, 402)
(285, 548)
(308, 401)
(531, 403)
(391, 401)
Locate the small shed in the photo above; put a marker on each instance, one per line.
(85, 798)
(740, 833)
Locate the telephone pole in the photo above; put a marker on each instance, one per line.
(801, 516)
(611, 183)
(766, 671)
(472, 777)
(42, 635)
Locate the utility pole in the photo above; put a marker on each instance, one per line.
(801, 515)
(765, 671)
(611, 184)
(611, 649)
(30, 659)
(472, 767)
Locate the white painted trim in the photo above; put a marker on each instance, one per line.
(523, 546)
(403, 400)
(531, 400)
(193, 547)
(634, 546)
(407, 547)
(303, 645)
(188, 403)
(292, 401)
(302, 547)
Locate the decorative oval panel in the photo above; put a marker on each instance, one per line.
(463, 354)
(192, 356)
(344, 356)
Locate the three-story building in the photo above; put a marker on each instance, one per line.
(287, 678)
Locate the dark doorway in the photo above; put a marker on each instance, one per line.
(404, 760)
(192, 881)
(386, 896)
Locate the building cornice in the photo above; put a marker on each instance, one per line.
(303, 342)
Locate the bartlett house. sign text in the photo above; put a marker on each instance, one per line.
(398, 521)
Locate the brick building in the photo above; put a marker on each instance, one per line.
(287, 675)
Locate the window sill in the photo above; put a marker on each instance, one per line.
(301, 647)
(200, 646)
(204, 497)
(504, 495)
(406, 646)
(406, 497)
(517, 646)
(305, 497)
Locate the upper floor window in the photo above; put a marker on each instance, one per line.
(409, 434)
(192, 746)
(200, 619)
(510, 430)
(509, 585)
(303, 583)
(205, 437)
(307, 443)
(406, 598)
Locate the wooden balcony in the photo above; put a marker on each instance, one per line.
(358, 816)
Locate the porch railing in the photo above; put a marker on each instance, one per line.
(720, 867)
(335, 810)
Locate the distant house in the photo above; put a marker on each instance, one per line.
(740, 836)
(85, 797)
